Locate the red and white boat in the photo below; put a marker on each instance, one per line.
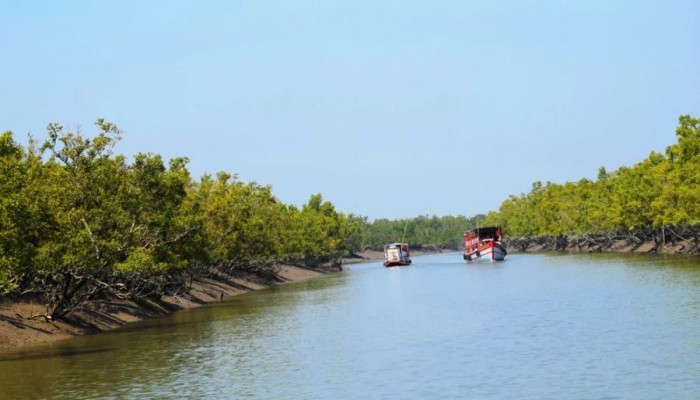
(484, 244)
(396, 254)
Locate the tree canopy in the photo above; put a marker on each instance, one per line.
(661, 190)
(78, 222)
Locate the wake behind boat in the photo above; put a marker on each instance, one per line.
(396, 254)
(484, 244)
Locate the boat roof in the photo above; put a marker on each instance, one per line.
(484, 230)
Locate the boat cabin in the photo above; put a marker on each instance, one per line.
(396, 254)
(476, 236)
(484, 243)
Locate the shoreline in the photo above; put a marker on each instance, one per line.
(19, 326)
(601, 244)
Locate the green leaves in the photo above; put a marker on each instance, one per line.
(688, 146)
(446, 231)
(83, 221)
(663, 189)
(16, 214)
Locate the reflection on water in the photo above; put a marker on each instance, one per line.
(28, 354)
(535, 326)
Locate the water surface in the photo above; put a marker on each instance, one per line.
(535, 326)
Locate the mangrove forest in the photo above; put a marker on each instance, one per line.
(78, 223)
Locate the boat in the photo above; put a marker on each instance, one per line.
(484, 244)
(396, 254)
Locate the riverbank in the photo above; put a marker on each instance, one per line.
(21, 325)
(603, 244)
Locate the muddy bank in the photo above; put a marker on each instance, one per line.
(654, 242)
(20, 324)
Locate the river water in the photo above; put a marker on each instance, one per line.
(540, 326)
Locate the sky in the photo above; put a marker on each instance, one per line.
(388, 109)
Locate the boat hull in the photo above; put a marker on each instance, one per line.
(484, 244)
(487, 252)
(396, 263)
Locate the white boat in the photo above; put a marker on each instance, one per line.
(396, 254)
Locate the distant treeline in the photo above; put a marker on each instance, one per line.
(79, 223)
(423, 231)
(660, 192)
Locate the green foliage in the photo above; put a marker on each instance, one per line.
(78, 222)
(318, 233)
(443, 232)
(663, 189)
(21, 217)
(241, 221)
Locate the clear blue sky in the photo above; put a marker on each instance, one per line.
(389, 109)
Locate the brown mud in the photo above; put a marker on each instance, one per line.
(638, 242)
(21, 323)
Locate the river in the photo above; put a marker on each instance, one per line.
(536, 326)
